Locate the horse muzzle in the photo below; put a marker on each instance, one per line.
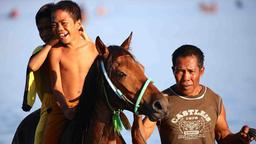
(159, 108)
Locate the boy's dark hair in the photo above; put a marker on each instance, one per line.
(44, 12)
(69, 6)
(188, 50)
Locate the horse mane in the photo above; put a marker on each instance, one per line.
(88, 96)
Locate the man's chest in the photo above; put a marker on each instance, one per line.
(188, 121)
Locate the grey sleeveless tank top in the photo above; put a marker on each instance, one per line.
(190, 120)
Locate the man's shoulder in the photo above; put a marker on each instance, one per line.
(168, 91)
(165, 91)
(211, 92)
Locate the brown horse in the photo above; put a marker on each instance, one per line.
(116, 81)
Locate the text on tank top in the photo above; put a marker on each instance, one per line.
(190, 120)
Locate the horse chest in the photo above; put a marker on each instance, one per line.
(102, 133)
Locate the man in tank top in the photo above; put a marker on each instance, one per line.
(196, 114)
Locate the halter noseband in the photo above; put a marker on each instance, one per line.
(120, 94)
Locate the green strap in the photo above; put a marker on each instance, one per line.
(117, 122)
(137, 104)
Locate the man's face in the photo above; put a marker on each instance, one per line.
(187, 74)
(64, 26)
(44, 29)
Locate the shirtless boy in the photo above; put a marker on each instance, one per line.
(69, 61)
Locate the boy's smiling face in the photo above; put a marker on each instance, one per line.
(64, 26)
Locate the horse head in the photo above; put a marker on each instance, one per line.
(126, 77)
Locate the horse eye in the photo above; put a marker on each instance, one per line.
(120, 74)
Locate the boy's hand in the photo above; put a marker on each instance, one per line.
(69, 113)
(53, 41)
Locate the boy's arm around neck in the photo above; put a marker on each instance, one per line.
(37, 59)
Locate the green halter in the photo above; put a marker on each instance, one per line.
(116, 113)
(137, 104)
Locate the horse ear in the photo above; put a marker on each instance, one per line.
(127, 42)
(101, 47)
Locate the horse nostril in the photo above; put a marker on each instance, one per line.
(157, 106)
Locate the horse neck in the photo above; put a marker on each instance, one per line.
(102, 111)
(101, 129)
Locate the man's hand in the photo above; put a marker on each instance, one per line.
(247, 134)
(252, 133)
(138, 136)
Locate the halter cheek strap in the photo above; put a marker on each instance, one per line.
(137, 104)
(116, 90)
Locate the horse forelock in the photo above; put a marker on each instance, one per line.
(119, 51)
(114, 53)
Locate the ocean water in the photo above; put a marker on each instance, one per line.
(226, 35)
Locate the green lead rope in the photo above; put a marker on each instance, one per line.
(117, 122)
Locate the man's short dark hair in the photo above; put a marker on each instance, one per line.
(71, 7)
(188, 50)
(44, 12)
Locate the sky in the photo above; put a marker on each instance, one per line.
(226, 34)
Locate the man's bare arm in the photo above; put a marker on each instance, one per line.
(224, 135)
(142, 129)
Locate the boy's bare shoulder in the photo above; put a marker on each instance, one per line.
(89, 45)
(57, 47)
(56, 50)
(91, 49)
